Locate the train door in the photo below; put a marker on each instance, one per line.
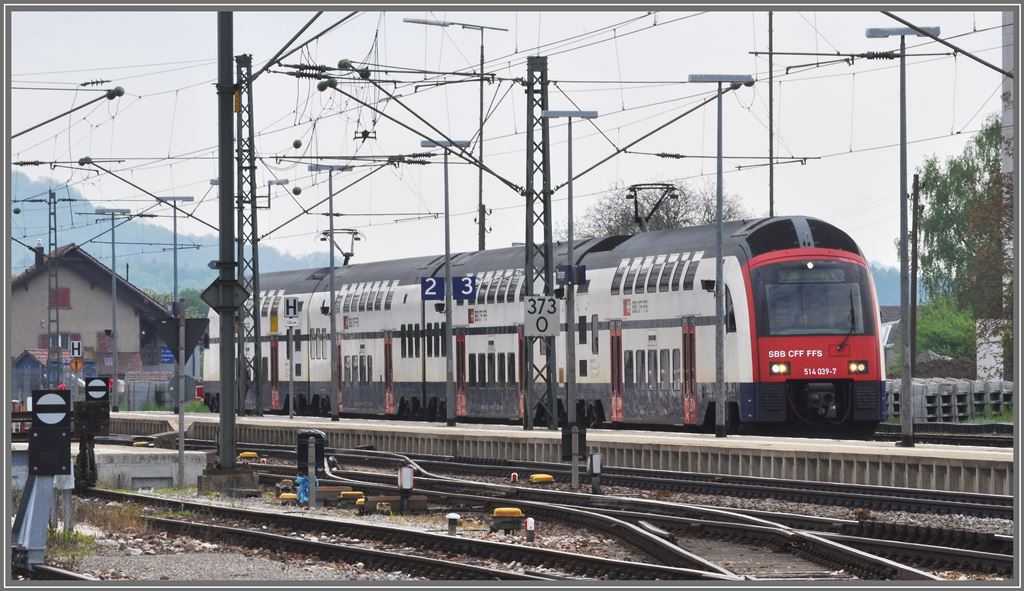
(389, 393)
(521, 381)
(615, 369)
(689, 374)
(275, 383)
(460, 372)
(461, 408)
(342, 375)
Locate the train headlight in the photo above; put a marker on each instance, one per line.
(779, 368)
(858, 367)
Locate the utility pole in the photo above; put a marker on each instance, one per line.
(226, 264)
(54, 358)
(113, 213)
(771, 129)
(913, 276)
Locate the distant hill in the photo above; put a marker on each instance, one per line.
(143, 247)
(887, 284)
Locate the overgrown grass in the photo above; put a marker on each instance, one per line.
(1006, 416)
(117, 517)
(67, 548)
(150, 405)
(196, 406)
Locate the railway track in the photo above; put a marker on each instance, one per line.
(576, 564)
(47, 572)
(925, 546)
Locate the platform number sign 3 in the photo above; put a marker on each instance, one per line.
(540, 316)
(464, 288)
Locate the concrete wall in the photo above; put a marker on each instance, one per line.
(90, 313)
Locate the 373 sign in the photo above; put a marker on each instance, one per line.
(463, 288)
(540, 316)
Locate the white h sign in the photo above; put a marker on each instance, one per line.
(291, 311)
(76, 349)
(540, 316)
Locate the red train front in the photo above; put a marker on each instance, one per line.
(817, 362)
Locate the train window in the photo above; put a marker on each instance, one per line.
(652, 367)
(645, 270)
(628, 367)
(503, 287)
(776, 235)
(362, 369)
(416, 341)
(430, 339)
(298, 370)
(493, 288)
(401, 337)
(666, 275)
(481, 364)
(481, 287)
(675, 368)
(665, 368)
(730, 313)
(369, 369)
(828, 236)
(634, 268)
(266, 305)
(583, 368)
(617, 278)
(365, 297)
(472, 369)
(444, 339)
(511, 368)
(391, 295)
(491, 369)
(501, 369)
(522, 288)
(691, 271)
(581, 329)
(652, 279)
(298, 339)
(347, 306)
(678, 273)
(594, 333)
(380, 298)
(517, 278)
(641, 368)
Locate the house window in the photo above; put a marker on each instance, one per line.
(298, 370)
(61, 298)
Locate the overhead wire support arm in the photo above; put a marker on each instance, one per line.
(468, 157)
(157, 197)
(282, 50)
(110, 95)
(306, 211)
(947, 44)
(625, 148)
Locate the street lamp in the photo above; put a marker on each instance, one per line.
(331, 169)
(734, 81)
(449, 382)
(482, 213)
(570, 303)
(179, 379)
(113, 213)
(906, 393)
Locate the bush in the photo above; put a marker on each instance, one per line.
(196, 405)
(944, 328)
(149, 405)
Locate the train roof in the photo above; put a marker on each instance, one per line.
(741, 238)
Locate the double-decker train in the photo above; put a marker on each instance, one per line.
(801, 347)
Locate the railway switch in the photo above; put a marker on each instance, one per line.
(303, 436)
(507, 519)
(361, 505)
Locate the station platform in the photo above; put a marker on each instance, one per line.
(939, 467)
(120, 466)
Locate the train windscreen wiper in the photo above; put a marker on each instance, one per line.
(853, 324)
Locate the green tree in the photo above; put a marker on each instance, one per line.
(614, 214)
(967, 227)
(195, 307)
(945, 328)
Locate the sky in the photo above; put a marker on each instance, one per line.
(841, 121)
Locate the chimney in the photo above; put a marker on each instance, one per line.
(39, 254)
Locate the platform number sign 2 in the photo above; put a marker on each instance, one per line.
(540, 316)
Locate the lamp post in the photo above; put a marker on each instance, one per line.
(906, 386)
(734, 81)
(481, 211)
(331, 169)
(179, 379)
(449, 381)
(113, 213)
(570, 302)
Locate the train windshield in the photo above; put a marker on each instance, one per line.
(813, 298)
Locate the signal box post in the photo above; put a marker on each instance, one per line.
(49, 455)
(92, 418)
